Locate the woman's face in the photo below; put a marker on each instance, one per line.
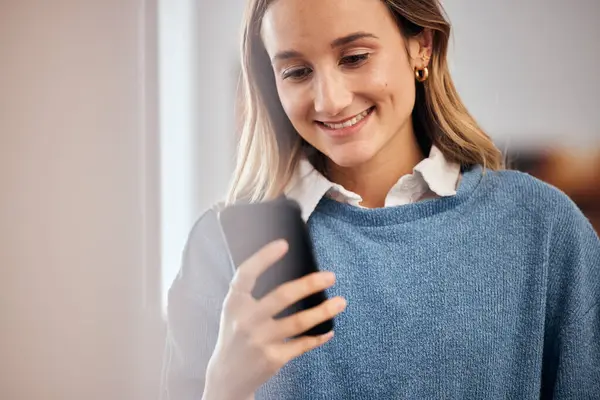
(344, 76)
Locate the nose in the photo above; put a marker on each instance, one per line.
(331, 94)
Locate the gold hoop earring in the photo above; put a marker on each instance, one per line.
(421, 74)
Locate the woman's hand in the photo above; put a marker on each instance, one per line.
(252, 346)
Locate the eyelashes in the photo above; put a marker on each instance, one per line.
(296, 73)
(351, 61)
(355, 59)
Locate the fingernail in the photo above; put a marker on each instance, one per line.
(282, 244)
(329, 277)
(340, 304)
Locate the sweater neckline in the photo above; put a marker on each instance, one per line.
(469, 181)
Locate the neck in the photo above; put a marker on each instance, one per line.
(374, 179)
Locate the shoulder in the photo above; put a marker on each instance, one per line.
(518, 189)
(205, 229)
(205, 257)
(570, 235)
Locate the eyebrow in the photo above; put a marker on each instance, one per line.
(339, 42)
(353, 37)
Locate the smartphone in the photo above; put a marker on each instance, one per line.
(249, 227)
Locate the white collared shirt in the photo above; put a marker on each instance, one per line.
(432, 177)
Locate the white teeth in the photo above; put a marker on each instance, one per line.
(350, 122)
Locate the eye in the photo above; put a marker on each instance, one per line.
(354, 60)
(296, 73)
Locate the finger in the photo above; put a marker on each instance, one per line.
(296, 347)
(304, 320)
(248, 272)
(291, 292)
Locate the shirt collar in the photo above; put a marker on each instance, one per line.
(308, 186)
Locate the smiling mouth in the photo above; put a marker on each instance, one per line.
(348, 123)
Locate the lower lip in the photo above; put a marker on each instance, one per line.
(347, 131)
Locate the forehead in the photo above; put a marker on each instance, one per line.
(297, 24)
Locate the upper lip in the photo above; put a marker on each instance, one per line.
(346, 119)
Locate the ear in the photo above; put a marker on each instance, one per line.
(420, 48)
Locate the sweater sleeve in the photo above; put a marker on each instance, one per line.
(572, 338)
(194, 308)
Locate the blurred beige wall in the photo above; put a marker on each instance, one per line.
(74, 204)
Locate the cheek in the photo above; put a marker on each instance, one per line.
(391, 81)
(397, 87)
(294, 105)
(297, 108)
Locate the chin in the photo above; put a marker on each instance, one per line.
(349, 157)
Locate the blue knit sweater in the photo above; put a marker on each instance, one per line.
(490, 294)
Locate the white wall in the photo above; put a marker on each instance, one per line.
(215, 62)
(527, 69)
(198, 67)
(75, 212)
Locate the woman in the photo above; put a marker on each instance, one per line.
(456, 279)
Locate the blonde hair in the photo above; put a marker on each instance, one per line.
(269, 147)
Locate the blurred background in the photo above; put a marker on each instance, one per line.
(117, 131)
